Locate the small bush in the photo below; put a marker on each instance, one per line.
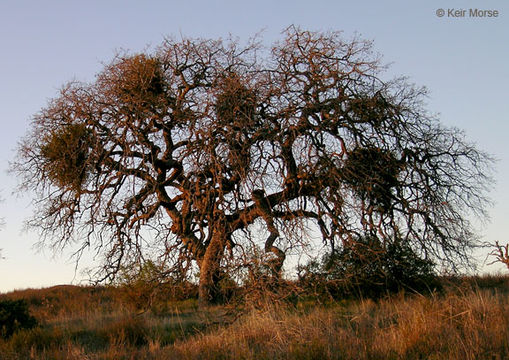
(129, 331)
(365, 268)
(149, 286)
(14, 316)
(39, 338)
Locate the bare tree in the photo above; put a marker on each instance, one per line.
(500, 253)
(192, 148)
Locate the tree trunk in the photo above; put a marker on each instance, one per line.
(208, 291)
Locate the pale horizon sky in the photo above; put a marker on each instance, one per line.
(44, 44)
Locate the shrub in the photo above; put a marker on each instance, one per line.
(14, 315)
(367, 268)
(39, 339)
(149, 285)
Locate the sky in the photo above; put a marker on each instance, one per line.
(44, 44)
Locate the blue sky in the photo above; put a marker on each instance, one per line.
(462, 61)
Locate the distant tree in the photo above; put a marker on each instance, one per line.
(500, 253)
(204, 147)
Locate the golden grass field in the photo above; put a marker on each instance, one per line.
(468, 320)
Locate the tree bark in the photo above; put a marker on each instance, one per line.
(208, 291)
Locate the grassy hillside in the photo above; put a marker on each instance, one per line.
(469, 320)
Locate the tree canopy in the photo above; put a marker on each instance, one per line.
(204, 147)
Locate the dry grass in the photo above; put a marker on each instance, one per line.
(474, 325)
(469, 321)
